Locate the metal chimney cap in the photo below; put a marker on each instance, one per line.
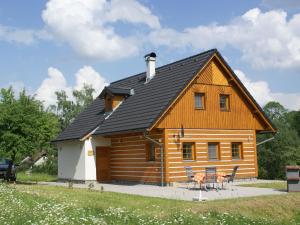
(152, 54)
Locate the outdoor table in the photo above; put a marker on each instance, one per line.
(200, 178)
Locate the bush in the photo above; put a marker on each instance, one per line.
(49, 167)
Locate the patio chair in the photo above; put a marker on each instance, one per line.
(230, 178)
(210, 176)
(190, 175)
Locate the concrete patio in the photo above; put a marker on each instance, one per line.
(179, 192)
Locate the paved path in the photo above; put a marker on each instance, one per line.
(179, 193)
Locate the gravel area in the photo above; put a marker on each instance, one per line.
(179, 192)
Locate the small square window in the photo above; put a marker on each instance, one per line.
(213, 151)
(199, 100)
(236, 150)
(188, 151)
(224, 103)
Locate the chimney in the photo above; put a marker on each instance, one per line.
(150, 64)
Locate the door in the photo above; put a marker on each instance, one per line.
(103, 164)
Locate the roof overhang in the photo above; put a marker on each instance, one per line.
(112, 91)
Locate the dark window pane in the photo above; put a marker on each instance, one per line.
(151, 152)
(199, 100)
(224, 102)
(235, 150)
(187, 151)
(212, 151)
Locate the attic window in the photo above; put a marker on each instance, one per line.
(224, 102)
(199, 100)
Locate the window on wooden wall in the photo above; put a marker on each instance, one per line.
(188, 151)
(236, 150)
(224, 102)
(213, 151)
(150, 151)
(199, 100)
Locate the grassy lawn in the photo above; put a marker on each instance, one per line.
(28, 204)
(35, 177)
(273, 185)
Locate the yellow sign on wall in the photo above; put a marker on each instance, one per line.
(90, 152)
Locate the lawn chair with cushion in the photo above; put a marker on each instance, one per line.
(190, 175)
(210, 176)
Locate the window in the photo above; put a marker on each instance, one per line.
(151, 151)
(224, 102)
(188, 151)
(236, 150)
(213, 151)
(199, 100)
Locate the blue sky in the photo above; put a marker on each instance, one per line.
(61, 44)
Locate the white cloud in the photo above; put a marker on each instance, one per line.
(54, 82)
(57, 82)
(265, 39)
(17, 35)
(87, 75)
(262, 93)
(131, 11)
(86, 25)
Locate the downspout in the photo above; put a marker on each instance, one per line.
(161, 156)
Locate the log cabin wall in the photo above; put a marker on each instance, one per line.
(200, 138)
(129, 160)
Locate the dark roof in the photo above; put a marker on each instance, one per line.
(85, 122)
(115, 91)
(150, 100)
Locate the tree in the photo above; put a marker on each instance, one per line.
(294, 120)
(283, 150)
(67, 109)
(25, 127)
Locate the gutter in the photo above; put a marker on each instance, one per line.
(161, 156)
(264, 141)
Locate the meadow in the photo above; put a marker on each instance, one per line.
(37, 204)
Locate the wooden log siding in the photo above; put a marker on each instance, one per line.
(212, 82)
(129, 158)
(201, 137)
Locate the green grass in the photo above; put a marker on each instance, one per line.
(274, 185)
(27, 204)
(35, 177)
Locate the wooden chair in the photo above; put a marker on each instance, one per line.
(190, 175)
(210, 176)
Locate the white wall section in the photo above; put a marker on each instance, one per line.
(77, 159)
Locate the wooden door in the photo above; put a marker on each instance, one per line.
(103, 164)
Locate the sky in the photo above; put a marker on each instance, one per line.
(47, 46)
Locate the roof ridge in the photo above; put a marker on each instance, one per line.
(169, 64)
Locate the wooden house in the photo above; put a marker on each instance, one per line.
(148, 127)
